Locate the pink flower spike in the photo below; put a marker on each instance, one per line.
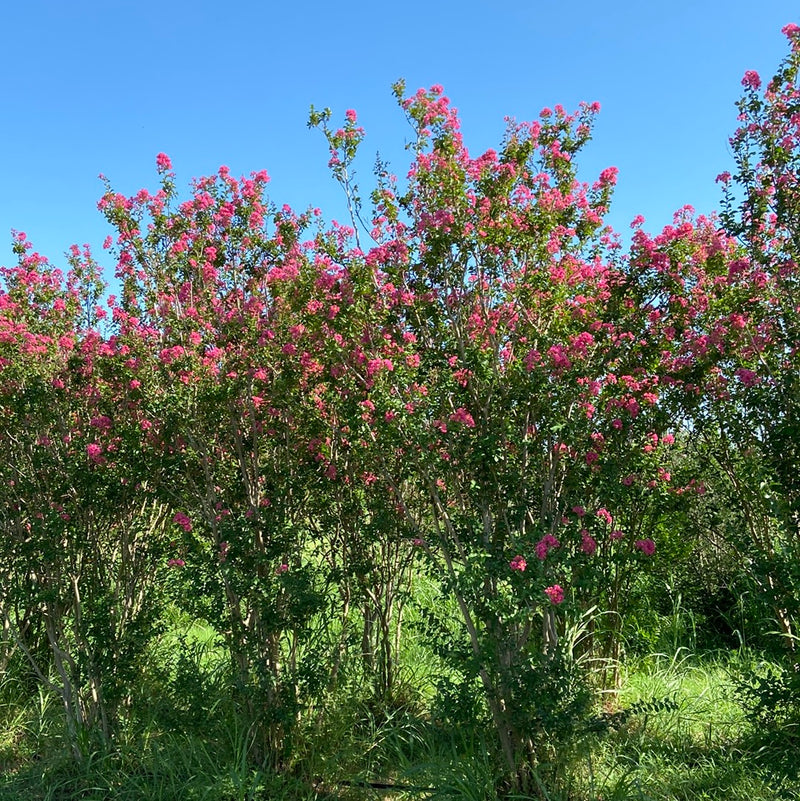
(791, 30)
(282, 569)
(163, 162)
(751, 80)
(518, 563)
(555, 593)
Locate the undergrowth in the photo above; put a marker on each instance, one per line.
(683, 726)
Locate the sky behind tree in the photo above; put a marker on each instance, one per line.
(93, 87)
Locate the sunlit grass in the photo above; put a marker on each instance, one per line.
(676, 730)
(687, 738)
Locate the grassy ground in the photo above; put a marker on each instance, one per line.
(676, 731)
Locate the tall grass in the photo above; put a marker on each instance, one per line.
(677, 729)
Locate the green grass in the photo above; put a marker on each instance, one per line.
(687, 737)
(677, 730)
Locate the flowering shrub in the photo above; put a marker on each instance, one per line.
(84, 537)
(280, 422)
(516, 371)
(762, 209)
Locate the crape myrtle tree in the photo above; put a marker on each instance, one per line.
(758, 430)
(83, 540)
(214, 299)
(516, 381)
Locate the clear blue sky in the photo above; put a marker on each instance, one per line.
(91, 87)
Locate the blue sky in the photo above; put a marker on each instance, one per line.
(94, 87)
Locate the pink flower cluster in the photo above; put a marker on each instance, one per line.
(461, 415)
(163, 163)
(605, 515)
(647, 546)
(588, 543)
(555, 593)
(752, 80)
(518, 563)
(545, 545)
(95, 453)
(183, 521)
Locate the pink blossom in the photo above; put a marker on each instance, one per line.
(579, 511)
(609, 176)
(588, 543)
(518, 563)
(605, 515)
(555, 593)
(461, 415)
(747, 377)
(751, 80)
(94, 452)
(282, 568)
(616, 534)
(176, 563)
(545, 545)
(223, 552)
(790, 30)
(102, 421)
(647, 547)
(163, 162)
(183, 521)
(559, 356)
